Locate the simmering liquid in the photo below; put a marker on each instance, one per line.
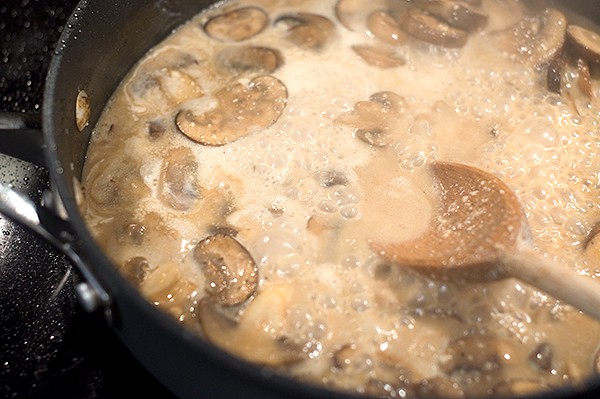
(242, 171)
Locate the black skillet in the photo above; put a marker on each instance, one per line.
(102, 41)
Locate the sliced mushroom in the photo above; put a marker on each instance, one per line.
(330, 178)
(165, 87)
(113, 182)
(256, 337)
(457, 13)
(372, 119)
(167, 288)
(584, 78)
(156, 129)
(231, 273)
(354, 14)
(237, 25)
(536, 40)
(432, 30)
(478, 352)
(377, 56)
(135, 269)
(351, 13)
(131, 233)
(239, 110)
(308, 31)
(386, 28)
(177, 186)
(82, 110)
(585, 42)
(542, 356)
(249, 59)
(554, 75)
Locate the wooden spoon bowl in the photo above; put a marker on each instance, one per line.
(480, 233)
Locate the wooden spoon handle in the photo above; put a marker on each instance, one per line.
(579, 291)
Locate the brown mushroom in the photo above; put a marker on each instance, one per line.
(156, 128)
(164, 87)
(378, 56)
(112, 182)
(372, 119)
(231, 273)
(542, 356)
(240, 110)
(257, 335)
(584, 79)
(308, 31)
(237, 25)
(249, 59)
(456, 13)
(177, 186)
(585, 42)
(536, 40)
(349, 12)
(168, 78)
(353, 14)
(330, 178)
(167, 288)
(432, 30)
(554, 75)
(385, 27)
(478, 352)
(135, 269)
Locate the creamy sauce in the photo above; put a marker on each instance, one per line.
(306, 196)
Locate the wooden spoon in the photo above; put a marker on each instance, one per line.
(481, 234)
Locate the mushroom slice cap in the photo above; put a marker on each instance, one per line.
(352, 14)
(308, 31)
(256, 335)
(372, 119)
(538, 39)
(478, 352)
(385, 27)
(430, 29)
(240, 110)
(231, 273)
(457, 13)
(177, 186)
(249, 59)
(381, 57)
(554, 75)
(585, 42)
(584, 80)
(390, 101)
(237, 25)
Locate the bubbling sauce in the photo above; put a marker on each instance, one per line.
(241, 171)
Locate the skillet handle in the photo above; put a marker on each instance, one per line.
(21, 209)
(21, 136)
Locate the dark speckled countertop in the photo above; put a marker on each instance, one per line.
(49, 347)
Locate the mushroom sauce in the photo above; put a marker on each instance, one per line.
(243, 170)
